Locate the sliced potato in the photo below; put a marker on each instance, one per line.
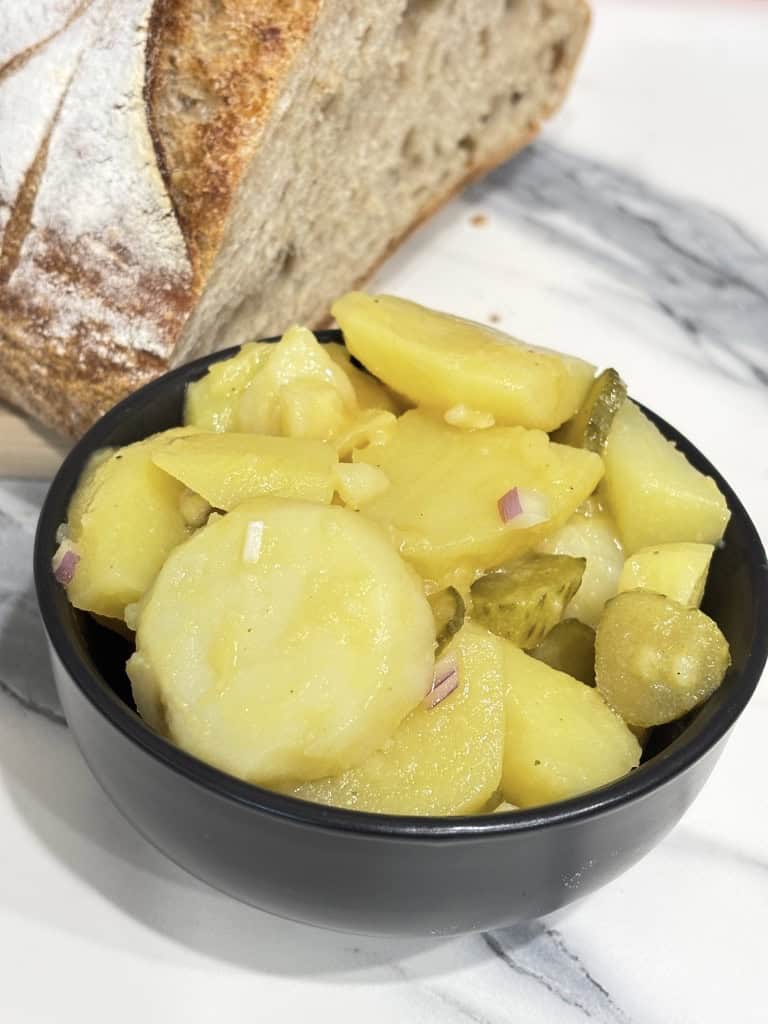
(654, 493)
(442, 761)
(212, 403)
(591, 534)
(570, 648)
(655, 660)
(124, 518)
(562, 739)
(370, 392)
(678, 571)
(228, 469)
(442, 504)
(311, 409)
(591, 425)
(284, 382)
(440, 361)
(525, 600)
(284, 640)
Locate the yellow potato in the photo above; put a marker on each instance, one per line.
(441, 761)
(292, 387)
(212, 402)
(654, 493)
(227, 469)
(562, 739)
(311, 409)
(297, 357)
(370, 392)
(284, 640)
(124, 518)
(678, 571)
(441, 361)
(591, 534)
(442, 504)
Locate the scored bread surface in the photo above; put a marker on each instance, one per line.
(180, 175)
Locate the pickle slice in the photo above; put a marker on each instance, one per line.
(525, 599)
(449, 611)
(655, 659)
(570, 647)
(590, 427)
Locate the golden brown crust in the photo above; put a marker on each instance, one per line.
(207, 104)
(72, 392)
(214, 72)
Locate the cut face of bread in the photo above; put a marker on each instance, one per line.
(195, 174)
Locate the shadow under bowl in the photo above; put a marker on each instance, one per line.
(381, 874)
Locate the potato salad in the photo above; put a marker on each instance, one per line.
(430, 571)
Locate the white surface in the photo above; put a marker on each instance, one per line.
(95, 925)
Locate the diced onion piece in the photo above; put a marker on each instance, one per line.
(444, 682)
(505, 808)
(521, 508)
(194, 509)
(357, 483)
(252, 546)
(131, 615)
(466, 418)
(65, 561)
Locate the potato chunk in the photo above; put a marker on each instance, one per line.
(212, 403)
(440, 361)
(442, 761)
(299, 390)
(589, 533)
(655, 494)
(227, 469)
(292, 387)
(285, 640)
(445, 484)
(678, 571)
(124, 518)
(656, 660)
(562, 739)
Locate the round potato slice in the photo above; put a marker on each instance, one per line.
(284, 640)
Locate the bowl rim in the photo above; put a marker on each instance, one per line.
(681, 755)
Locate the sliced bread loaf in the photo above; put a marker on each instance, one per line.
(180, 175)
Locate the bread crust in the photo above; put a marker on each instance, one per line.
(204, 109)
(207, 105)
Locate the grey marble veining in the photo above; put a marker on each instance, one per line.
(695, 264)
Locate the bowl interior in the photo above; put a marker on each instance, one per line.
(736, 597)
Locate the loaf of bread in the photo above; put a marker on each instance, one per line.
(181, 175)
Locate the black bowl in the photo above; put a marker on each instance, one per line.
(381, 873)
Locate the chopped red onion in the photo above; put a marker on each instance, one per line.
(444, 682)
(521, 508)
(65, 562)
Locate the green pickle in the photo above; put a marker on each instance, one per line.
(526, 598)
(570, 648)
(655, 659)
(590, 427)
(449, 611)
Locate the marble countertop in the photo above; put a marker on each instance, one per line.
(635, 232)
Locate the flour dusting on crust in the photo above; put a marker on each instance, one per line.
(103, 256)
